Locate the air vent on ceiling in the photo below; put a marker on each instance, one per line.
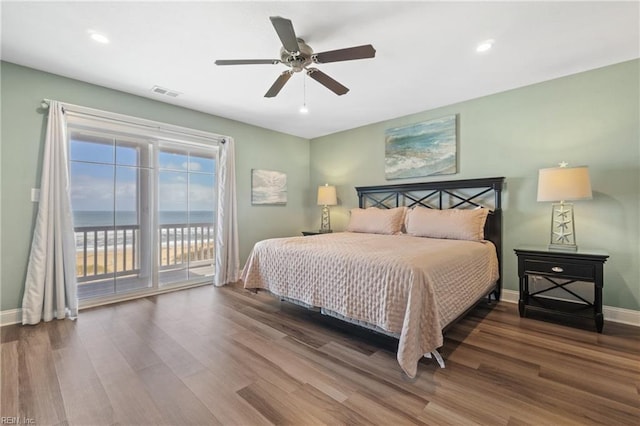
(163, 91)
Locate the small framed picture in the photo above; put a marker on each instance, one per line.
(268, 187)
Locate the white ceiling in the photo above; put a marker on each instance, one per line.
(425, 52)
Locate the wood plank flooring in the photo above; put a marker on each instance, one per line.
(222, 356)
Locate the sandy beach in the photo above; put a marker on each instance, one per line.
(123, 260)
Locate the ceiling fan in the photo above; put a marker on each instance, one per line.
(298, 55)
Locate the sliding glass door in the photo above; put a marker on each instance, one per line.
(143, 212)
(186, 204)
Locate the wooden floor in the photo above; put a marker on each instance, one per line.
(211, 356)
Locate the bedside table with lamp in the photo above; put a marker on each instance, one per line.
(326, 197)
(561, 263)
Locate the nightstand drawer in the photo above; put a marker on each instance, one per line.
(569, 270)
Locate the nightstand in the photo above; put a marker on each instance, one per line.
(561, 268)
(308, 233)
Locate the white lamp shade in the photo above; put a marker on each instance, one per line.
(327, 195)
(564, 184)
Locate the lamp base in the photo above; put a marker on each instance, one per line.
(325, 221)
(563, 232)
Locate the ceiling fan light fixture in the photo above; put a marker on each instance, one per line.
(485, 46)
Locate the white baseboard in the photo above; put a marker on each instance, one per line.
(611, 313)
(10, 316)
(621, 315)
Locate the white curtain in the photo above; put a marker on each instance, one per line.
(50, 287)
(227, 252)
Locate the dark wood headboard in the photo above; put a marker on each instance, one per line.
(451, 194)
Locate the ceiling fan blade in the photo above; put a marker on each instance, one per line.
(327, 81)
(246, 61)
(278, 84)
(286, 33)
(348, 54)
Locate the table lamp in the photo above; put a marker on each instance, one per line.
(326, 197)
(560, 184)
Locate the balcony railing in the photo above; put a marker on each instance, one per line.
(110, 251)
(181, 243)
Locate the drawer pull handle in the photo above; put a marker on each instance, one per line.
(557, 269)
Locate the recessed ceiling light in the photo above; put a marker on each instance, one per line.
(100, 38)
(485, 45)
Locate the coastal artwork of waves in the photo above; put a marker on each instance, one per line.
(422, 149)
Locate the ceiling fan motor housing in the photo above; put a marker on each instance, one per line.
(297, 60)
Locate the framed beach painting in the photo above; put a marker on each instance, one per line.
(422, 149)
(268, 187)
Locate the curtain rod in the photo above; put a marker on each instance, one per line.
(112, 116)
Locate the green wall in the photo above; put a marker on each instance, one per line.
(591, 118)
(23, 125)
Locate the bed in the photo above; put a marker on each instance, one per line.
(414, 259)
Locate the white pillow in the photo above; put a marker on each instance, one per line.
(455, 224)
(377, 221)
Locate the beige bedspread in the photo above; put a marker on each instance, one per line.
(408, 286)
